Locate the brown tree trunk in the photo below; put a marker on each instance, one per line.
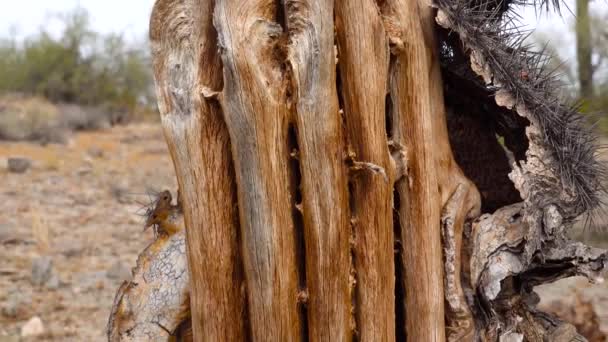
(303, 172)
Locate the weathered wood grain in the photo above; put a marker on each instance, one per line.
(185, 57)
(311, 60)
(254, 103)
(433, 175)
(419, 212)
(363, 64)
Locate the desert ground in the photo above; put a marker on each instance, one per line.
(70, 231)
(78, 206)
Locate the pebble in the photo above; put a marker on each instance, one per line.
(90, 281)
(53, 283)
(18, 165)
(84, 171)
(11, 308)
(42, 270)
(33, 327)
(120, 192)
(72, 251)
(16, 304)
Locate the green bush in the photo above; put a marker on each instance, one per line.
(79, 67)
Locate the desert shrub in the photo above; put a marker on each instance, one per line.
(30, 118)
(82, 67)
(84, 118)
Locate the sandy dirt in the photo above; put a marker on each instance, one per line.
(79, 206)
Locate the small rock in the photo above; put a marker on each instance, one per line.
(42, 270)
(54, 283)
(16, 304)
(120, 192)
(18, 165)
(119, 271)
(91, 280)
(33, 327)
(71, 252)
(84, 171)
(11, 308)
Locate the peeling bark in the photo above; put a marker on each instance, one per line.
(524, 245)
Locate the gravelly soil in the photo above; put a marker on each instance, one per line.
(78, 205)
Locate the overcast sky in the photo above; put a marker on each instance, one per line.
(129, 16)
(27, 16)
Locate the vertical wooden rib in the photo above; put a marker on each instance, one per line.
(364, 63)
(255, 108)
(185, 59)
(459, 197)
(311, 57)
(419, 212)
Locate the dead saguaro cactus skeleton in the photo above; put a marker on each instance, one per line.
(362, 169)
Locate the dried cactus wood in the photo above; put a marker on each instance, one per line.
(186, 61)
(303, 172)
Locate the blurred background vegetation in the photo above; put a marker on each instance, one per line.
(585, 73)
(79, 79)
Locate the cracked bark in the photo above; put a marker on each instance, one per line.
(154, 303)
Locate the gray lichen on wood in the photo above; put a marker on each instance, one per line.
(152, 305)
